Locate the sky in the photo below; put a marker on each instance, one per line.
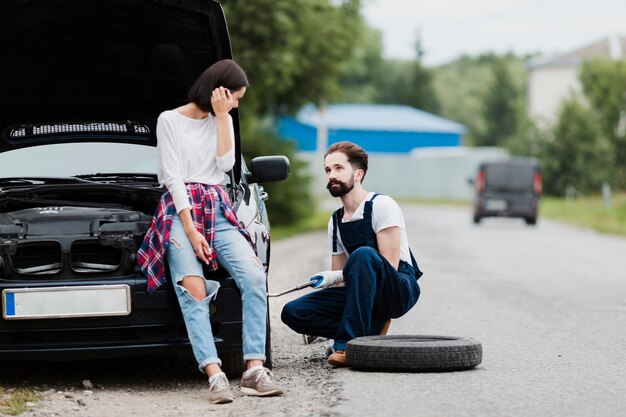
(449, 28)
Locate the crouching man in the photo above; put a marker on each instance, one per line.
(373, 276)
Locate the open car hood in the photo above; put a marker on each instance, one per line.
(77, 71)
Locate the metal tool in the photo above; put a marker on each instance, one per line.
(297, 288)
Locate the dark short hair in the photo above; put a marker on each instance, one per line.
(357, 157)
(225, 73)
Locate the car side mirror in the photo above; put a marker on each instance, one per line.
(268, 168)
(470, 181)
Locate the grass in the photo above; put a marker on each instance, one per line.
(13, 400)
(588, 212)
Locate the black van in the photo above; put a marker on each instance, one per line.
(509, 188)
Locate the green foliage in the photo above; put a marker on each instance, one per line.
(462, 85)
(577, 155)
(289, 201)
(292, 50)
(502, 104)
(368, 78)
(13, 400)
(365, 66)
(604, 85)
(589, 212)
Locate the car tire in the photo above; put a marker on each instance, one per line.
(414, 353)
(531, 221)
(232, 363)
(476, 219)
(268, 342)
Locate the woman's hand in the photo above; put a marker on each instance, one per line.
(222, 100)
(200, 246)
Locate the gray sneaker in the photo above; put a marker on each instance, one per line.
(260, 383)
(219, 390)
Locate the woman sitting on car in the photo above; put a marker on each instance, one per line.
(195, 224)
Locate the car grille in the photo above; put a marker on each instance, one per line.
(48, 260)
(38, 258)
(89, 256)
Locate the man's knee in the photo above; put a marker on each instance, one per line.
(291, 314)
(363, 255)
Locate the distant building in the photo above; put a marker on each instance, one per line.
(375, 127)
(551, 80)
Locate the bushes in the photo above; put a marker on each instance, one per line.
(290, 200)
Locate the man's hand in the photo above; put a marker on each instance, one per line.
(326, 279)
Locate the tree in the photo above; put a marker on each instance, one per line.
(408, 82)
(290, 200)
(461, 87)
(293, 50)
(577, 154)
(501, 107)
(604, 85)
(361, 73)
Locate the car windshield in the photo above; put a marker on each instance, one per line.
(69, 159)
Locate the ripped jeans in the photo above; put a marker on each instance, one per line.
(235, 254)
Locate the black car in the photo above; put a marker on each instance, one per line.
(82, 86)
(510, 188)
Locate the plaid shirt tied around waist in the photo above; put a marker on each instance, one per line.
(203, 199)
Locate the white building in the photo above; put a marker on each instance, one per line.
(551, 80)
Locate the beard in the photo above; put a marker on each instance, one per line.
(339, 189)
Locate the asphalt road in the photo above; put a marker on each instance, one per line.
(548, 304)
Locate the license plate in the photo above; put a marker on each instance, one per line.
(65, 302)
(495, 205)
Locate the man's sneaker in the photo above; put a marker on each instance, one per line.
(219, 389)
(338, 358)
(259, 382)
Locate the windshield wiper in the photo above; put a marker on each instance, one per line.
(41, 181)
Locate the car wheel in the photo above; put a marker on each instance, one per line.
(476, 219)
(414, 353)
(232, 363)
(531, 221)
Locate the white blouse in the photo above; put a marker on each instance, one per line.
(187, 152)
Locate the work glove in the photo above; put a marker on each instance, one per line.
(326, 279)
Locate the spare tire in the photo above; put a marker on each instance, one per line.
(414, 353)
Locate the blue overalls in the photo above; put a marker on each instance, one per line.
(374, 291)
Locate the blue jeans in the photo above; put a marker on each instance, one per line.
(374, 292)
(235, 254)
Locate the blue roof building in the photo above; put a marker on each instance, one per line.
(375, 127)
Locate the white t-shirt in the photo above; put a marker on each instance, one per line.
(385, 213)
(187, 152)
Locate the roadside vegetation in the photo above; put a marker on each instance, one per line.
(14, 401)
(588, 212)
(318, 221)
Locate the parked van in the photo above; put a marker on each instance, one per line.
(510, 188)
